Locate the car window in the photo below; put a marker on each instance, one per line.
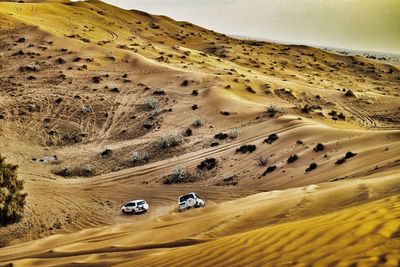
(141, 203)
(185, 197)
(130, 205)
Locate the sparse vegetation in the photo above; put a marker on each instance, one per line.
(34, 66)
(221, 136)
(349, 93)
(188, 132)
(197, 122)
(12, 200)
(228, 181)
(88, 170)
(64, 172)
(233, 134)
(106, 153)
(151, 103)
(346, 157)
(246, 149)
(272, 110)
(207, 164)
(179, 175)
(261, 160)
(269, 170)
(271, 138)
(138, 158)
(171, 140)
(292, 158)
(319, 147)
(312, 167)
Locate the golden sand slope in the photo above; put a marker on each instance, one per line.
(248, 231)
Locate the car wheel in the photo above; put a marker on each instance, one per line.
(191, 202)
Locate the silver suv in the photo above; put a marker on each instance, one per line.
(135, 206)
(191, 200)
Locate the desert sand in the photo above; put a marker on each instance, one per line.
(86, 85)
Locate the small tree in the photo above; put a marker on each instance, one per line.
(12, 201)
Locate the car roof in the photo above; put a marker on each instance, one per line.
(188, 194)
(134, 201)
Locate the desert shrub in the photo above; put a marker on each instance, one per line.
(272, 110)
(261, 161)
(188, 132)
(269, 170)
(96, 79)
(64, 172)
(306, 109)
(106, 153)
(195, 93)
(340, 161)
(292, 158)
(60, 60)
(179, 175)
(271, 138)
(233, 134)
(246, 149)
(312, 167)
(110, 56)
(87, 170)
(341, 116)
(197, 122)
(207, 164)
(151, 103)
(159, 92)
(138, 158)
(350, 155)
(319, 147)
(346, 157)
(12, 201)
(227, 181)
(250, 90)
(155, 112)
(349, 93)
(86, 110)
(171, 140)
(34, 66)
(221, 136)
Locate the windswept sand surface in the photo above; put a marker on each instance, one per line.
(77, 79)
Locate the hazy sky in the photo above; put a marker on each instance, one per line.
(357, 24)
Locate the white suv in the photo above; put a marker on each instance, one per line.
(191, 200)
(135, 206)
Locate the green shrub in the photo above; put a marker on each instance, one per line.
(12, 201)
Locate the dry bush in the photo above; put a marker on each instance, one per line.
(138, 158)
(171, 140)
(197, 122)
(12, 201)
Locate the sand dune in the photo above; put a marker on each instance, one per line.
(85, 86)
